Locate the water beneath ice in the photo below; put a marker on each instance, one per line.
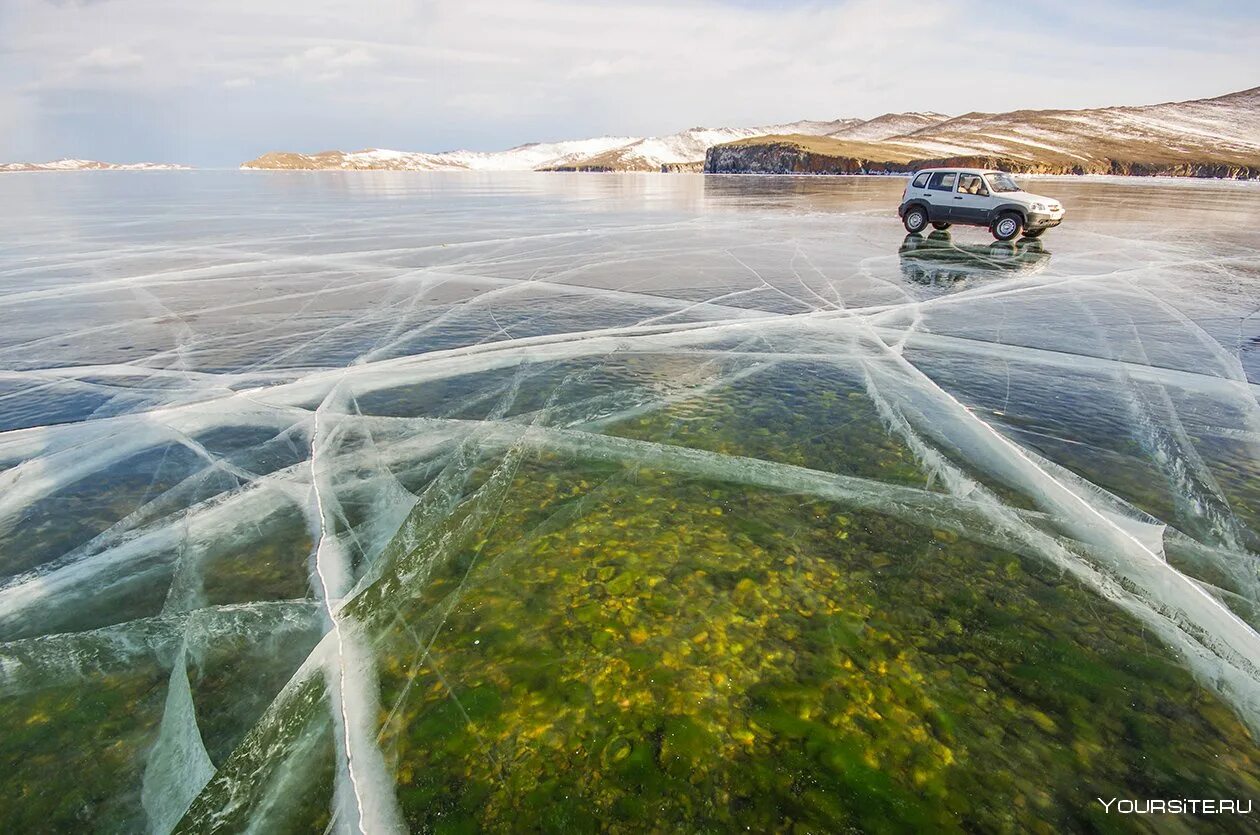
(374, 502)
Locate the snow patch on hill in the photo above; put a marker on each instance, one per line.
(90, 165)
(1226, 124)
(889, 125)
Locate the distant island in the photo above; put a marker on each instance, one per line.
(683, 151)
(1216, 137)
(90, 165)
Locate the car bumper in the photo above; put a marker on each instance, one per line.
(1043, 220)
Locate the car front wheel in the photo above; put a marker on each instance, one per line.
(1034, 233)
(915, 219)
(941, 226)
(1007, 227)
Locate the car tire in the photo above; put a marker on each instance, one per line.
(1007, 226)
(1034, 233)
(941, 226)
(915, 219)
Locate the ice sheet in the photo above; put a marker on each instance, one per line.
(242, 407)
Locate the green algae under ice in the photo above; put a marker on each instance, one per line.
(705, 521)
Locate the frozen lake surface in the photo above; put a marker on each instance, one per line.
(385, 501)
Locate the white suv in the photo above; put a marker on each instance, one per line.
(976, 197)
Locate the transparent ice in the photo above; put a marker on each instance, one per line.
(242, 416)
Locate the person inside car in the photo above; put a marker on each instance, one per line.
(971, 184)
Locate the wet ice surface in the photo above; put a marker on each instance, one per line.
(385, 501)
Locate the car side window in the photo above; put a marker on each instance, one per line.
(972, 184)
(921, 180)
(943, 180)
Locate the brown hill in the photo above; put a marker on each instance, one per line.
(1218, 137)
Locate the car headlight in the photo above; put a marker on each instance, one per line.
(1038, 207)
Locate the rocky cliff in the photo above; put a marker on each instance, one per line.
(682, 167)
(784, 155)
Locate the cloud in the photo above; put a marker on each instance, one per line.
(109, 59)
(328, 61)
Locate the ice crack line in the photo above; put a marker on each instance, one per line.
(1200, 618)
(332, 590)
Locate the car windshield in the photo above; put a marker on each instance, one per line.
(1001, 182)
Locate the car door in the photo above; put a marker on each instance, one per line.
(971, 201)
(940, 190)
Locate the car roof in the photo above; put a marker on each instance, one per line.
(961, 170)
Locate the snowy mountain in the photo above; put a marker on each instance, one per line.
(1217, 137)
(656, 153)
(604, 153)
(889, 125)
(90, 165)
(1206, 137)
(521, 158)
(1226, 125)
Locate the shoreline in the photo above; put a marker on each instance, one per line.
(1097, 178)
(1101, 178)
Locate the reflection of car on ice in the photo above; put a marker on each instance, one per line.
(938, 261)
(976, 197)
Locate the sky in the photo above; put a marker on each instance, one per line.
(217, 82)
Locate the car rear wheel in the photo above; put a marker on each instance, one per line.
(1007, 226)
(915, 219)
(941, 226)
(1034, 233)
